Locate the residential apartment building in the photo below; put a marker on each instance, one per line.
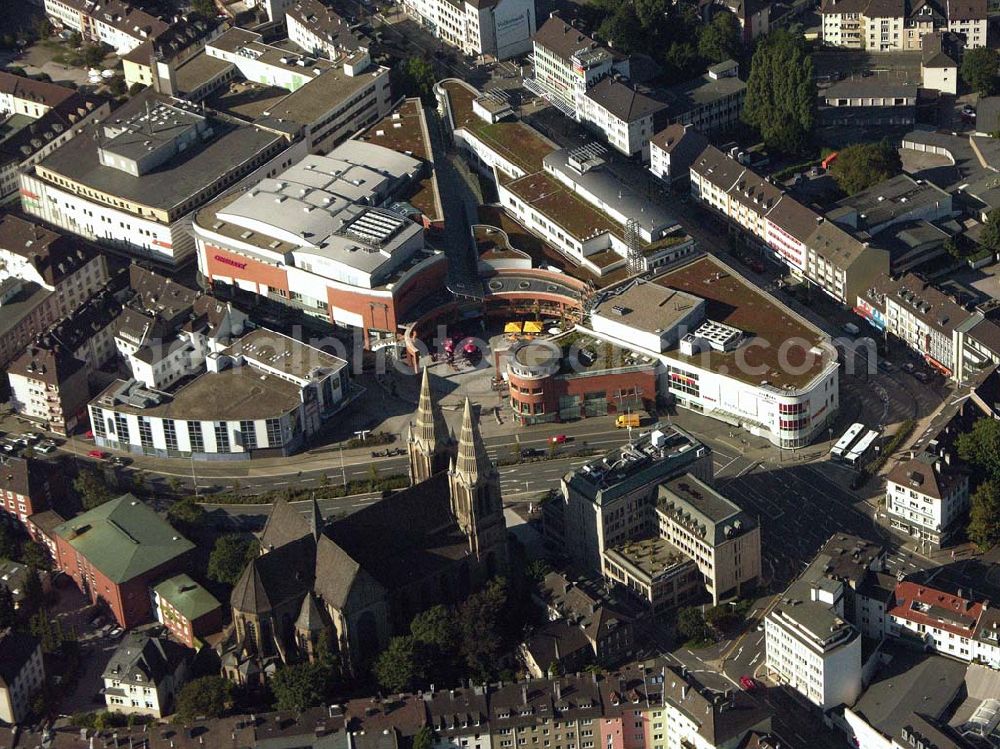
(50, 387)
(955, 341)
(812, 247)
(51, 116)
(710, 103)
(892, 25)
(940, 622)
(72, 270)
(607, 630)
(673, 150)
(655, 706)
(626, 117)
(27, 487)
(459, 718)
(113, 22)
(813, 634)
(116, 552)
(29, 97)
(925, 498)
(568, 63)
(44, 276)
(22, 675)
(133, 180)
(187, 610)
(321, 31)
(496, 29)
(145, 673)
(589, 82)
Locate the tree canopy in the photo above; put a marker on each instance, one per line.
(984, 516)
(720, 40)
(989, 238)
(230, 556)
(862, 165)
(979, 70)
(781, 92)
(91, 487)
(206, 697)
(399, 668)
(415, 77)
(981, 447)
(301, 686)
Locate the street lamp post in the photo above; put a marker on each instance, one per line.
(194, 476)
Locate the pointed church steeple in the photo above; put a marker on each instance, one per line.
(472, 462)
(430, 428)
(315, 519)
(428, 442)
(476, 504)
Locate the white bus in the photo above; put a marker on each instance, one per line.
(858, 452)
(846, 439)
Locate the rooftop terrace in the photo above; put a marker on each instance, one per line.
(651, 557)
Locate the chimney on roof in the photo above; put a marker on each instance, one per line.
(557, 688)
(524, 692)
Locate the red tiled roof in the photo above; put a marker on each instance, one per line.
(935, 608)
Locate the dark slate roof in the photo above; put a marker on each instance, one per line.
(283, 574)
(52, 366)
(284, 525)
(561, 38)
(966, 10)
(404, 537)
(53, 255)
(623, 100)
(145, 657)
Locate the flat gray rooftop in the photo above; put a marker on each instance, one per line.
(614, 193)
(238, 393)
(648, 307)
(171, 184)
(910, 683)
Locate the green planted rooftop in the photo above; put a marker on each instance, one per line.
(519, 144)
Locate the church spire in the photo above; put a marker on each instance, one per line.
(472, 462)
(430, 428)
(315, 519)
(428, 443)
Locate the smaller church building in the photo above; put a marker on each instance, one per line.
(361, 579)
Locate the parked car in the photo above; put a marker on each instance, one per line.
(968, 110)
(885, 365)
(118, 460)
(909, 368)
(922, 376)
(530, 452)
(97, 454)
(748, 683)
(32, 436)
(45, 448)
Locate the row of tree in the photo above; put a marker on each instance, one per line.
(671, 33)
(980, 448)
(447, 644)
